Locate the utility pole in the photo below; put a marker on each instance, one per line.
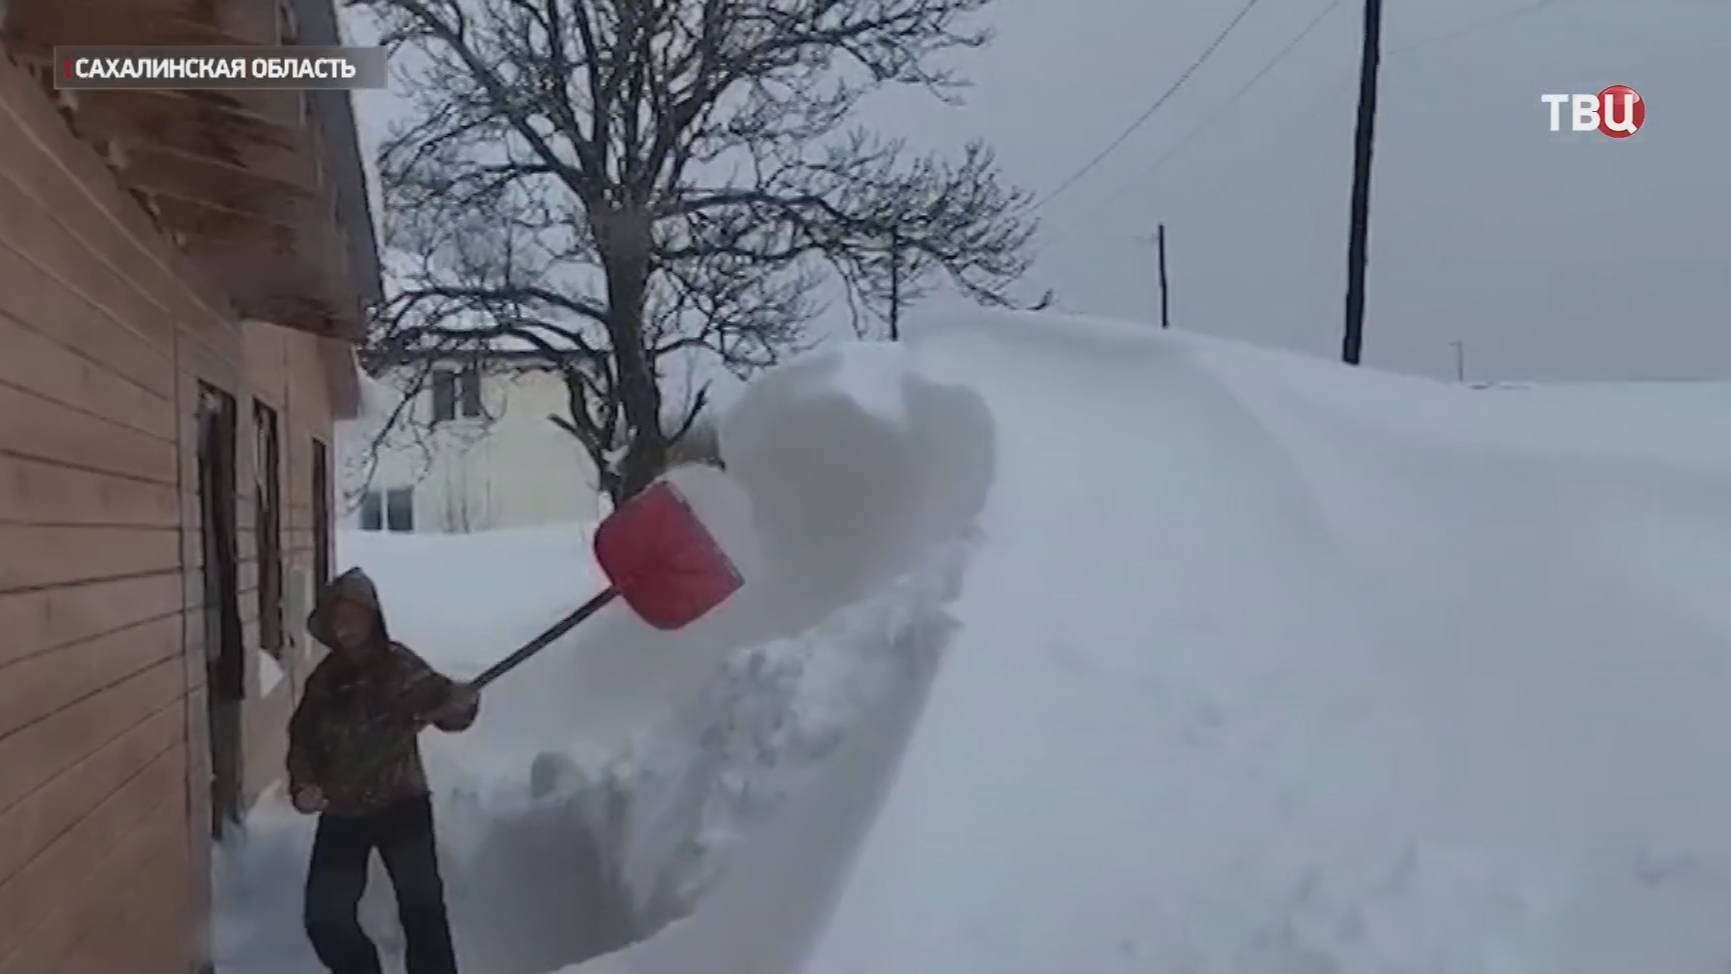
(1358, 245)
(895, 285)
(1460, 361)
(1165, 320)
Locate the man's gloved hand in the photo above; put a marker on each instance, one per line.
(464, 698)
(309, 799)
(462, 703)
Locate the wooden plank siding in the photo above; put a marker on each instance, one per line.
(40, 493)
(43, 620)
(42, 685)
(34, 823)
(38, 752)
(39, 365)
(105, 760)
(74, 554)
(135, 827)
(40, 429)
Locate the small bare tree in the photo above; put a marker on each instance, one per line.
(619, 184)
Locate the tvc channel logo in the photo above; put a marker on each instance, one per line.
(1617, 112)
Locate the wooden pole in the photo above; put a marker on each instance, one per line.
(1165, 319)
(895, 285)
(1460, 361)
(1358, 245)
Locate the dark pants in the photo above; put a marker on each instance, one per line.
(403, 835)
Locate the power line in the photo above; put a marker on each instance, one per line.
(1219, 112)
(1142, 119)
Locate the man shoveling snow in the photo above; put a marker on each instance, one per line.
(353, 759)
(353, 755)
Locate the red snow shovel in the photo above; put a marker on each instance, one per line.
(659, 557)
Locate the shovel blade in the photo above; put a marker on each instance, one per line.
(662, 560)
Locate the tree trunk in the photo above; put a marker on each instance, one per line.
(895, 286)
(625, 254)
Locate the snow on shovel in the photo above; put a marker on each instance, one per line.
(659, 557)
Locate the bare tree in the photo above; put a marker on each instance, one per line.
(617, 184)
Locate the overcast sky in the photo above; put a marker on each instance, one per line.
(1550, 255)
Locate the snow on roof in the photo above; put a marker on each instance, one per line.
(378, 399)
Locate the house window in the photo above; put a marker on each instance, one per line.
(372, 511)
(456, 392)
(444, 396)
(469, 392)
(400, 509)
(267, 498)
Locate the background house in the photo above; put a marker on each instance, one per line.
(475, 450)
(181, 279)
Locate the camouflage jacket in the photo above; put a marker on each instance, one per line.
(354, 732)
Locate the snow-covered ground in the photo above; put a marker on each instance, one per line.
(1067, 646)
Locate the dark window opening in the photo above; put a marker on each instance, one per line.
(372, 511)
(225, 662)
(444, 396)
(400, 509)
(267, 499)
(456, 392)
(469, 384)
(321, 513)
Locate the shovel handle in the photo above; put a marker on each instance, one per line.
(546, 639)
(510, 662)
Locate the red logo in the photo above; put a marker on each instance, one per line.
(1621, 111)
(1618, 111)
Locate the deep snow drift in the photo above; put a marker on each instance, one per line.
(1334, 672)
(1256, 665)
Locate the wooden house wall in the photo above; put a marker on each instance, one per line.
(105, 335)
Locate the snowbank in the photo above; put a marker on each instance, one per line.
(864, 477)
(857, 463)
(1333, 672)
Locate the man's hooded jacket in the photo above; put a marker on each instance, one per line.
(354, 732)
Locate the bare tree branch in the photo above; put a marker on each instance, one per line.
(617, 185)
